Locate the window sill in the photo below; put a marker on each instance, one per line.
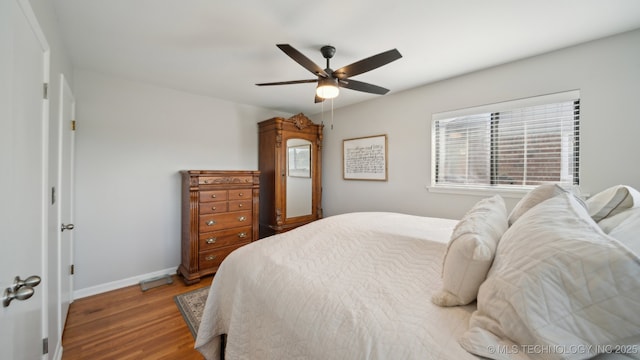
(479, 191)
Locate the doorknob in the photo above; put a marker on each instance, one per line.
(20, 289)
(31, 281)
(22, 293)
(66, 227)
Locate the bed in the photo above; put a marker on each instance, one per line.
(377, 285)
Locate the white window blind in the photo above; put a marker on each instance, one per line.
(516, 144)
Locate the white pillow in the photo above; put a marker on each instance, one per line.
(470, 252)
(609, 223)
(612, 201)
(628, 231)
(533, 198)
(557, 283)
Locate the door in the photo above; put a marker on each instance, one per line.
(23, 184)
(61, 239)
(66, 195)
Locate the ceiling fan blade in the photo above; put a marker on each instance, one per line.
(363, 86)
(298, 57)
(367, 64)
(288, 82)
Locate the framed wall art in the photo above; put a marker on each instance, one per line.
(365, 158)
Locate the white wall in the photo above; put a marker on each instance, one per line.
(607, 73)
(131, 141)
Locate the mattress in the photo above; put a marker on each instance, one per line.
(350, 286)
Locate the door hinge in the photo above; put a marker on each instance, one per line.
(73, 269)
(45, 91)
(45, 346)
(73, 125)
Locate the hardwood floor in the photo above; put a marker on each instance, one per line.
(130, 324)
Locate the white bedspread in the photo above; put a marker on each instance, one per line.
(351, 286)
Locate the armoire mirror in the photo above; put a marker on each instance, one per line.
(298, 184)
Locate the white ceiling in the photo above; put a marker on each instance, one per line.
(222, 48)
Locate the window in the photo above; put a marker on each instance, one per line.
(516, 144)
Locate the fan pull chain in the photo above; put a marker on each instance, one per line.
(322, 112)
(331, 114)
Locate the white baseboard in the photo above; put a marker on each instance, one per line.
(98, 289)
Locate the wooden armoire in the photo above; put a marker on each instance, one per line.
(290, 164)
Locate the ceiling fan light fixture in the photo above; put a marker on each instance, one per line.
(327, 88)
(330, 81)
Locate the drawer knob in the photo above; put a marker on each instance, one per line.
(211, 240)
(211, 222)
(241, 194)
(242, 235)
(213, 208)
(214, 196)
(242, 218)
(240, 205)
(210, 257)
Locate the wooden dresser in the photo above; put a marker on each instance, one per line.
(219, 215)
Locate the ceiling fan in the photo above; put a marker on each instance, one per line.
(329, 81)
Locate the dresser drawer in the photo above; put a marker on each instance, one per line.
(222, 238)
(212, 222)
(239, 205)
(240, 194)
(218, 195)
(213, 207)
(225, 180)
(213, 258)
